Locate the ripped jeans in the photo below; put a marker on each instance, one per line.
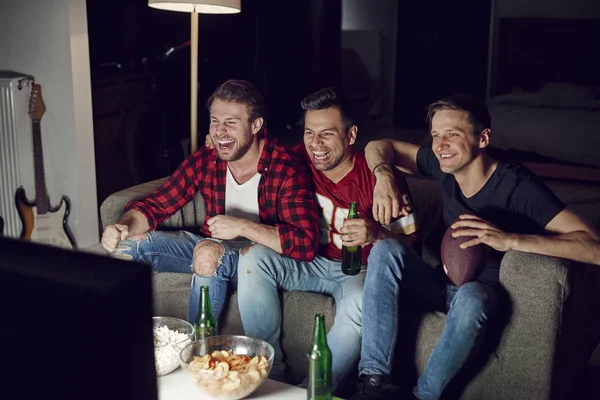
(173, 252)
(263, 272)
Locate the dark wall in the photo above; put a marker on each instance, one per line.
(442, 50)
(287, 48)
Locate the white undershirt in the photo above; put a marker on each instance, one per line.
(241, 201)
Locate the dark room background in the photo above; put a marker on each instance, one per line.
(407, 55)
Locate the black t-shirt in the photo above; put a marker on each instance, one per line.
(513, 199)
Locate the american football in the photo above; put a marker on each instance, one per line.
(461, 265)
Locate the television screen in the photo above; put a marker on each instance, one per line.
(74, 325)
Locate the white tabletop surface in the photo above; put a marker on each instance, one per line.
(178, 385)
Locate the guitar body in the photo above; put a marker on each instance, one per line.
(42, 223)
(49, 228)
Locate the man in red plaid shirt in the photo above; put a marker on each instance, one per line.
(254, 190)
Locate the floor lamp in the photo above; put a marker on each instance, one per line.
(194, 7)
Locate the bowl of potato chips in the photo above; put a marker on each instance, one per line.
(228, 367)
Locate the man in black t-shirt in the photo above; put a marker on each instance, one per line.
(501, 204)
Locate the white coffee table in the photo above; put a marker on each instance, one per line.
(177, 385)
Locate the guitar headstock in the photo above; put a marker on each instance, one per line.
(37, 108)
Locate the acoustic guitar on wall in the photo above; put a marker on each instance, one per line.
(42, 223)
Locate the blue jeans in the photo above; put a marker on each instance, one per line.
(263, 272)
(394, 267)
(173, 252)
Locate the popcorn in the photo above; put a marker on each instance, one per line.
(167, 346)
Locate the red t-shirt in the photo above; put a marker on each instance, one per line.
(334, 200)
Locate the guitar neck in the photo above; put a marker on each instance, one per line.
(41, 196)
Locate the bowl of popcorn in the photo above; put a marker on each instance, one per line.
(171, 335)
(228, 367)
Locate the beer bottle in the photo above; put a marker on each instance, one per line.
(351, 255)
(319, 364)
(206, 323)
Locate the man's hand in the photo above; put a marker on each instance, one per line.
(360, 231)
(208, 142)
(387, 202)
(485, 232)
(226, 227)
(112, 235)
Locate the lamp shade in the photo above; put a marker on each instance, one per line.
(199, 6)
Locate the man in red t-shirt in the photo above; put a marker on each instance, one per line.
(341, 176)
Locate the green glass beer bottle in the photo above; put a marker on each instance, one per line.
(351, 255)
(319, 364)
(206, 323)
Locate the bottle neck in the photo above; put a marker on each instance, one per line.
(320, 336)
(205, 306)
(353, 211)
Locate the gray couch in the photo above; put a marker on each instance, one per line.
(535, 350)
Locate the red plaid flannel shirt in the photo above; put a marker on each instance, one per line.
(286, 196)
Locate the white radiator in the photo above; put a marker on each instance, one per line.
(16, 147)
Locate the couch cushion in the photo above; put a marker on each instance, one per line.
(171, 291)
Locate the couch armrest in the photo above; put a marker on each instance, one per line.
(537, 287)
(551, 303)
(190, 216)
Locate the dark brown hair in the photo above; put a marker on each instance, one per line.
(243, 92)
(479, 116)
(330, 97)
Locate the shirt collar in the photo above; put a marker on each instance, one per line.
(266, 156)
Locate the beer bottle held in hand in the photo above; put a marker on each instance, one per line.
(351, 255)
(319, 364)
(206, 323)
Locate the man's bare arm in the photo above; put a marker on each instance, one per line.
(130, 224)
(573, 239)
(577, 239)
(578, 246)
(383, 152)
(381, 155)
(135, 221)
(263, 234)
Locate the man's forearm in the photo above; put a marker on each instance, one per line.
(135, 221)
(400, 154)
(379, 152)
(263, 234)
(577, 246)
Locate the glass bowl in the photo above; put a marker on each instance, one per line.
(170, 336)
(228, 367)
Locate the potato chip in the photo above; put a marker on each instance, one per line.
(229, 375)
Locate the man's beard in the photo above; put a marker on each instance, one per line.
(239, 153)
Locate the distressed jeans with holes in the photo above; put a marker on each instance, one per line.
(262, 272)
(395, 268)
(173, 252)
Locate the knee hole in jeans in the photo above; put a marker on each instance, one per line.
(124, 247)
(208, 255)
